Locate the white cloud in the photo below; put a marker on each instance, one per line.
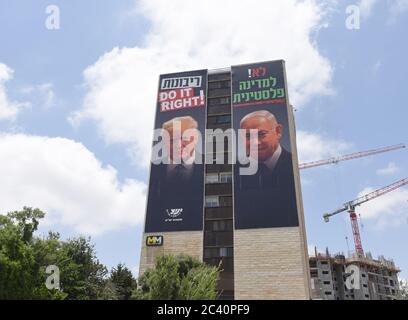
(42, 94)
(366, 7)
(64, 179)
(391, 168)
(397, 8)
(8, 109)
(387, 210)
(187, 35)
(313, 146)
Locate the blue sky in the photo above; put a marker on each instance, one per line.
(77, 106)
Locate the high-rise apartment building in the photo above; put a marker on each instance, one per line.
(224, 180)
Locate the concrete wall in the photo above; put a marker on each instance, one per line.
(268, 264)
(185, 242)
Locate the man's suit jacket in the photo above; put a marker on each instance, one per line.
(267, 198)
(166, 193)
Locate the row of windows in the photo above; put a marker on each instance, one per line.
(218, 252)
(219, 77)
(219, 238)
(219, 158)
(219, 138)
(219, 225)
(218, 213)
(222, 177)
(219, 84)
(226, 263)
(219, 109)
(218, 147)
(221, 119)
(218, 201)
(221, 100)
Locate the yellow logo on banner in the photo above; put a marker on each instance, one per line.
(154, 240)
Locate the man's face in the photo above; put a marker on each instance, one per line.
(183, 139)
(269, 133)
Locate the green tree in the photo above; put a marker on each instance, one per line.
(178, 278)
(21, 276)
(199, 284)
(27, 221)
(24, 257)
(82, 276)
(108, 291)
(123, 281)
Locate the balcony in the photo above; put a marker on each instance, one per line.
(219, 109)
(218, 238)
(218, 213)
(218, 189)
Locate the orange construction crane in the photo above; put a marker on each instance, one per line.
(351, 205)
(356, 155)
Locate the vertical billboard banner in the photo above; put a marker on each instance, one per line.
(266, 197)
(176, 188)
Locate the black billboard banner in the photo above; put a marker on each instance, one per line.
(267, 198)
(176, 188)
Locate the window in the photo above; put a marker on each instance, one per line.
(219, 77)
(219, 225)
(226, 177)
(222, 177)
(219, 140)
(226, 252)
(215, 101)
(211, 178)
(328, 293)
(211, 253)
(363, 275)
(218, 252)
(326, 282)
(219, 84)
(223, 119)
(225, 201)
(214, 85)
(212, 201)
(325, 272)
(367, 296)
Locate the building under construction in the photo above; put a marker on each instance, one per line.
(335, 277)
